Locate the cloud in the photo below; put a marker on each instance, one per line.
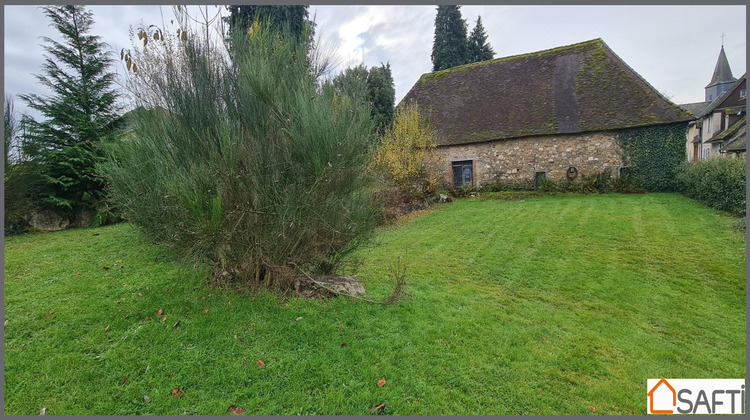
(672, 47)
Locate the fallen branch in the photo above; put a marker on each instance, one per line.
(396, 295)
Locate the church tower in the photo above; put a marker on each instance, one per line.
(722, 79)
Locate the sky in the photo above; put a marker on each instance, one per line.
(674, 48)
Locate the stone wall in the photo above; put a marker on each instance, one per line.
(516, 160)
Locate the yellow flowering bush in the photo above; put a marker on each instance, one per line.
(405, 153)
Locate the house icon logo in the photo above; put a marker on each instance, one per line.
(663, 388)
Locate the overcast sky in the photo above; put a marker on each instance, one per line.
(673, 47)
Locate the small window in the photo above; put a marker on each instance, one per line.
(463, 173)
(538, 176)
(743, 93)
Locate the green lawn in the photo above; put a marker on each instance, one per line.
(552, 305)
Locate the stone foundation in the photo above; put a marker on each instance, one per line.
(517, 160)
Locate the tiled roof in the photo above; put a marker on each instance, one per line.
(571, 89)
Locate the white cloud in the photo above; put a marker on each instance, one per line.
(672, 47)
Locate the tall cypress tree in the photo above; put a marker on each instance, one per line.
(449, 49)
(78, 115)
(382, 94)
(479, 48)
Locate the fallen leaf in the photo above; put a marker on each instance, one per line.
(236, 411)
(176, 324)
(592, 409)
(106, 328)
(146, 319)
(43, 412)
(299, 318)
(78, 273)
(125, 285)
(125, 379)
(105, 267)
(261, 364)
(177, 392)
(344, 344)
(48, 314)
(18, 277)
(146, 399)
(169, 290)
(203, 298)
(229, 304)
(159, 312)
(244, 362)
(118, 261)
(205, 311)
(341, 328)
(377, 408)
(164, 319)
(381, 382)
(253, 300)
(286, 305)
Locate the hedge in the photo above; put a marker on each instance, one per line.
(718, 183)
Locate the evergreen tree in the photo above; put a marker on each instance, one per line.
(10, 123)
(382, 95)
(352, 82)
(294, 16)
(373, 87)
(79, 113)
(479, 48)
(449, 48)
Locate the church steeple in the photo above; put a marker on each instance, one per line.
(722, 79)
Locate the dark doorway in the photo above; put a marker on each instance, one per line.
(538, 176)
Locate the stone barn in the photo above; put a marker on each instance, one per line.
(554, 113)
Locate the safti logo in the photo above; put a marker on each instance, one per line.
(696, 396)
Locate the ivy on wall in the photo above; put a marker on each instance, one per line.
(654, 154)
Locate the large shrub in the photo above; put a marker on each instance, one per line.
(718, 183)
(405, 155)
(252, 166)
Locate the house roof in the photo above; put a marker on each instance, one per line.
(716, 103)
(731, 132)
(571, 89)
(695, 108)
(738, 142)
(722, 72)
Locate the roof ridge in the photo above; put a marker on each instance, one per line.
(514, 57)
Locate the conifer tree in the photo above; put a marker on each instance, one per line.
(78, 114)
(479, 48)
(449, 48)
(382, 95)
(295, 16)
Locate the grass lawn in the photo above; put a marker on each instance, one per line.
(552, 305)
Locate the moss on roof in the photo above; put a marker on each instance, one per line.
(574, 88)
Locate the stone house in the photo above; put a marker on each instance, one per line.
(554, 113)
